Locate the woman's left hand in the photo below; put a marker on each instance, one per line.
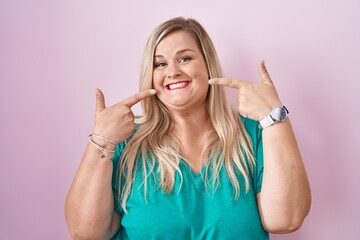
(255, 99)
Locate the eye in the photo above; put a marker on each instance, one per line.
(159, 64)
(185, 59)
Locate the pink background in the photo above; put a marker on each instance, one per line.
(53, 54)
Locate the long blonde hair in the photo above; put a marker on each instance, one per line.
(153, 143)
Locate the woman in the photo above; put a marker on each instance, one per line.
(191, 167)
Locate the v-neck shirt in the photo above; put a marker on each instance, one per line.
(194, 210)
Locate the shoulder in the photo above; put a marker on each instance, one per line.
(248, 121)
(252, 127)
(121, 146)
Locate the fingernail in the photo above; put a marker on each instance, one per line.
(210, 81)
(152, 91)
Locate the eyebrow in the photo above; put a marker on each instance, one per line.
(177, 53)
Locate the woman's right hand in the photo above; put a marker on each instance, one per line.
(116, 123)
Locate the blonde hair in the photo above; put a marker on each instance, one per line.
(153, 143)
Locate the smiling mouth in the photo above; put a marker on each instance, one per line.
(177, 85)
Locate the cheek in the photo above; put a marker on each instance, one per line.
(203, 77)
(157, 82)
(200, 71)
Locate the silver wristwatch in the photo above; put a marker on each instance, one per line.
(278, 114)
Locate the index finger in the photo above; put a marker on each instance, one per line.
(131, 101)
(229, 82)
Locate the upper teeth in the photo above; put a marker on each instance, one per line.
(177, 85)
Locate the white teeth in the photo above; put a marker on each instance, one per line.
(178, 85)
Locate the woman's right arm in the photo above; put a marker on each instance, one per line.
(89, 207)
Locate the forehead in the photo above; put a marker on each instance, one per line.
(175, 42)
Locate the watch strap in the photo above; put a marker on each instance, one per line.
(267, 121)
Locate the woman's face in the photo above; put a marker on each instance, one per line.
(180, 75)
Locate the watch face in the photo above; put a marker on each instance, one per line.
(279, 114)
(283, 114)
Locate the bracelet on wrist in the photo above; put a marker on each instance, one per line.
(105, 152)
(103, 149)
(104, 139)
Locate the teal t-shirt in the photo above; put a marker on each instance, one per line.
(194, 211)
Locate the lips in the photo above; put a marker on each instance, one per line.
(177, 85)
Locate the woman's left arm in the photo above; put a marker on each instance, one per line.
(285, 197)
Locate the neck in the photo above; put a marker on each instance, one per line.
(191, 124)
(191, 131)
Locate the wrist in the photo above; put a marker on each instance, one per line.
(102, 143)
(106, 147)
(278, 114)
(98, 153)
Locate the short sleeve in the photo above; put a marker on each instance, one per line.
(252, 128)
(115, 183)
(115, 176)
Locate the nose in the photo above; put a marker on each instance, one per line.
(173, 70)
